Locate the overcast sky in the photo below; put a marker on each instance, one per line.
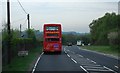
(74, 15)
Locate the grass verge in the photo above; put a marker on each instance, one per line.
(103, 49)
(23, 63)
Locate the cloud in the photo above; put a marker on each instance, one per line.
(73, 15)
(64, 0)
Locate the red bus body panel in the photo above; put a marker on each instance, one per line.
(55, 35)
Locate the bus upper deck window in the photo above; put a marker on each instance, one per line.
(52, 28)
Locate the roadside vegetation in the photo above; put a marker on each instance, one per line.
(103, 49)
(24, 63)
(20, 41)
(73, 38)
(104, 35)
(106, 30)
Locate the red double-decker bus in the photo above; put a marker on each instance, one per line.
(52, 38)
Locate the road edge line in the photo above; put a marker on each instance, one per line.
(37, 62)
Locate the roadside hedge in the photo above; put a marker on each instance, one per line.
(19, 44)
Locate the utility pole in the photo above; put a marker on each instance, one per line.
(20, 29)
(28, 17)
(9, 32)
(119, 7)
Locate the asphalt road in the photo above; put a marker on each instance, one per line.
(75, 60)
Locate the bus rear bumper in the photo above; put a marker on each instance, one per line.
(52, 51)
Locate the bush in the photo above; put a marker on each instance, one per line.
(17, 44)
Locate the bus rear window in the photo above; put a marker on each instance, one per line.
(52, 39)
(52, 28)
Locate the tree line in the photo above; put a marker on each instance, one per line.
(103, 31)
(73, 38)
(102, 27)
(19, 42)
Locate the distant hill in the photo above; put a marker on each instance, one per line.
(71, 32)
(74, 33)
(39, 34)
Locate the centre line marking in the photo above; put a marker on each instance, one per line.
(93, 61)
(116, 67)
(68, 55)
(80, 55)
(65, 52)
(73, 60)
(88, 59)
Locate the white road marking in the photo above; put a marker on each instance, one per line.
(64, 48)
(68, 50)
(65, 52)
(68, 55)
(88, 59)
(84, 69)
(79, 55)
(33, 70)
(93, 61)
(109, 69)
(37, 62)
(73, 60)
(90, 65)
(94, 67)
(116, 67)
(97, 70)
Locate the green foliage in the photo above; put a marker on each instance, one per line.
(71, 38)
(103, 49)
(18, 43)
(23, 63)
(102, 26)
(15, 33)
(31, 34)
(85, 39)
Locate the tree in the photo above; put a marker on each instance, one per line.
(100, 28)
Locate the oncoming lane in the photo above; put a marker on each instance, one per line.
(91, 62)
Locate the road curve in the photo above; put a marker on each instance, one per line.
(53, 62)
(75, 60)
(110, 63)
